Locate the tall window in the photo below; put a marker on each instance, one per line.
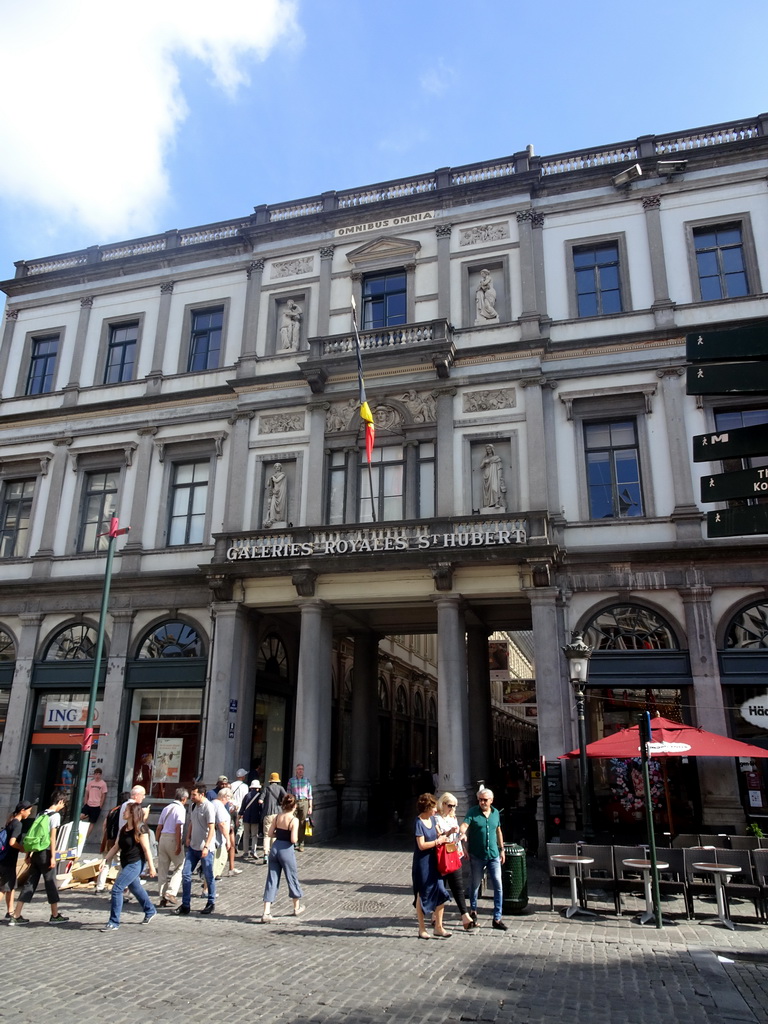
(720, 262)
(613, 469)
(42, 365)
(15, 514)
(189, 499)
(387, 479)
(598, 288)
(384, 300)
(426, 496)
(337, 486)
(99, 506)
(205, 339)
(121, 353)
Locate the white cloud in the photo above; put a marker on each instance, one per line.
(437, 79)
(92, 96)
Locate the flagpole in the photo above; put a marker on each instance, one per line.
(364, 408)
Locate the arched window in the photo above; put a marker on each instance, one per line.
(629, 627)
(432, 710)
(401, 701)
(172, 640)
(272, 658)
(383, 695)
(7, 647)
(418, 705)
(749, 628)
(73, 643)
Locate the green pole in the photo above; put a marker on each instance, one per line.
(645, 739)
(87, 740)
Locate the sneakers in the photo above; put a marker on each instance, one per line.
(208, 908)
(18, 920)
(181, 911)
(299, 910)
(499, 924)
(148, 917)
(266, 919)
(234, 871)
(59, 919)
(109, 927)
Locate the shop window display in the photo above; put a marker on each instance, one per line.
(163, 739)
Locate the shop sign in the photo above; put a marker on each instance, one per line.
(380, 539)
(755, 711)
(68, 714)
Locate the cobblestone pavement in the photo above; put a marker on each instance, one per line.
(354, 958)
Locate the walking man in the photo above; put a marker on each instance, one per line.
(40, 844)
(301, 788)
(250, 815)
(95, 795)
(170, 847)
(201, 827)
(482, 827)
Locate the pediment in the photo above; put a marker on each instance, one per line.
(386, 249)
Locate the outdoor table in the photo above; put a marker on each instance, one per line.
(645, 867)
(572, 862)
(721, 873)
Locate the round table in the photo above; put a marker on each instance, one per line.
(721, 873)
(572, 862)
(645, 867)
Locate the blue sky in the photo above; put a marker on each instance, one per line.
(124, 120)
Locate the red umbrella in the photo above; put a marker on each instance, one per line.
(670, 739)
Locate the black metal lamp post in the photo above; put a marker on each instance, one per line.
(578, 654)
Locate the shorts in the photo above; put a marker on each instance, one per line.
(8, 873)
(91, 813)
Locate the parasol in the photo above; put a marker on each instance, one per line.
(670, 739)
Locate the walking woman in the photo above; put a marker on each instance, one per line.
(448, 826)
(283, 833)
(13, 847)
(428, 889)
(135, 855)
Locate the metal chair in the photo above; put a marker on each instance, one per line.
(760, 862)
(684, 840)
(628, 880)
(599, 876)
(743, 885)
(558, 873)
(720, 842)
(745, 843)
(672, 880)
(698, 883)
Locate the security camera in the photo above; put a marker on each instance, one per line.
(630, 174)
(666, 168)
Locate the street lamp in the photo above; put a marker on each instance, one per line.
(578, 654)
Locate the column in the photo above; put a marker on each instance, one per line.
(444, 501)
(324, 291)
(111, 736)
(73, 385)
(237, 476)
(663, 307)
(316, 464)
(14, 749)
(721, 804)
(452, 700)
(41, 560)
(246, 364)
(538, 467)
(130, 556)
(364, 728)
(314, 694)
(224, 684)
(8, 387)
(480, 716)
(443, 232)
(155, 374)
(686, 515)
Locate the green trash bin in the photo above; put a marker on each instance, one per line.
(514, 879)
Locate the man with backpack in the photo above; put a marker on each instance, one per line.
(272, 800)
(40, 845)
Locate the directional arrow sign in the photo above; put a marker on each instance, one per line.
(743, 483)
(727, 444)
(739, 343)
(738, 522)
(724, 378)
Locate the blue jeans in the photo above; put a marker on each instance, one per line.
(282, 859)
(192, 858)
(476, 867)
(129, 879)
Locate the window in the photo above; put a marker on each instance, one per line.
(403, 479)
(596, 273)
(121, 353)
(426, 509)
(385, 480)
(74, 643)
(720, 262)
(189, 500)
(384, 300)
(205, 339)
(172, 640)
(42, 365)
(14, 517)
(99, 506)
(630, 627)
(732, 419)
(337, 485)
(613, 469)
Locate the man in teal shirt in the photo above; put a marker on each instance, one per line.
(482, 827)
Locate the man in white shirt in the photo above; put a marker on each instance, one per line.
(170, 847)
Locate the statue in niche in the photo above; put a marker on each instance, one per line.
(485, 300)
(290, 326)
(494, 487)
(277, 497)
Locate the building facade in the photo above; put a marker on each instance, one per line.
(278, 598)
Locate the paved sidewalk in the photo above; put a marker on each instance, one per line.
(354, 958)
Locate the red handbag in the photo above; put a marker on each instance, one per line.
(448, 858)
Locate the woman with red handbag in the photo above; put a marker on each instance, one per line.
(429, 891)
(450, 856)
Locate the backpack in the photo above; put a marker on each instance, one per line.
(39, 836)
(3, 842)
